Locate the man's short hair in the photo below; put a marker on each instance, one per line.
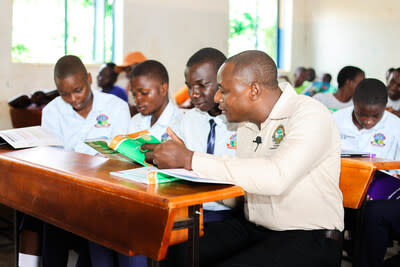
(207, 54)
(347, 73)
(68, 65)
(152, 69)
(370, 92)
(261, 65)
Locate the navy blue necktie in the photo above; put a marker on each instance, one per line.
(211, 137)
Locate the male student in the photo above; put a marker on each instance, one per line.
(347, 79)
(149, 86)
(79, 113)
(367, 127)
(205, 129)
(393, 87)
(106, 81)
(293, 207)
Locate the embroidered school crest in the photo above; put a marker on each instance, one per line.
(378, 140)
(278, 135)
(102, 121)
(232, 144)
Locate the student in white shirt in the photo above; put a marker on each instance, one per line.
(347, 79)
(78, 114)
(368, 127)
(201, 79)
(149, 86)
(393, 86)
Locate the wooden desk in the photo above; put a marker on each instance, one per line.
(355, 178)
(356, 175)
(76, 192)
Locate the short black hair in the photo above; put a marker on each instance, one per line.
(114, 74)
(151, 68)
(68, 65)
(347, 73)
(208, 54)
(310, 74)
(262, 65)
(371, 92)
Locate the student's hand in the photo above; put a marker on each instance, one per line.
(167, 155)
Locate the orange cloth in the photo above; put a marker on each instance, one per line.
(182, 95)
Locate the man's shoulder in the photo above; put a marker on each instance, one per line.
(56, 105)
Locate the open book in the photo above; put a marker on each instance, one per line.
(152, 175)
(124, 147)
(29, 137)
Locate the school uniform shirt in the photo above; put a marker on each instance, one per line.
(331, 102)
(383, 139)
(395, 104)
(291, 179)
(195, 127)
(109, 117)
(169, 118)
(194, 131)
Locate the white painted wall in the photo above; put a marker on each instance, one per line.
(331, 34)
(168, 31)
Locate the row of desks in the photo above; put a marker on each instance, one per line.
(76, 192)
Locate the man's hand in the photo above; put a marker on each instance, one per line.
(168, 155)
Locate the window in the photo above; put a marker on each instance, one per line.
(45, 30)
(253, 25)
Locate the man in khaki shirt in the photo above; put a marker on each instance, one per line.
(287, 161)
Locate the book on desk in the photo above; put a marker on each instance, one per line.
(28, 137)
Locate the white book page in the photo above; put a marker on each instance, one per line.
(29, 137)
(190, 176)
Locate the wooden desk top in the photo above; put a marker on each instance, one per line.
(76, 192)
(356, 176)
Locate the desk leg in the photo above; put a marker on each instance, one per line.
(194, 236)
(16, 237)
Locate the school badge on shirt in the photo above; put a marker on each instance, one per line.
(102, 121)
(232, 144)
(378, 140)
(278, 135)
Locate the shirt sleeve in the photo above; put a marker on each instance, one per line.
(51, 122)
(309, 140)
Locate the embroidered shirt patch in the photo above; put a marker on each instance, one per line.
(102, 121)
(278, 135)
(232, 144)
(378, 140)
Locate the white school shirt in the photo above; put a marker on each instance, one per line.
(195, 127)
(169, 118)
(395, 104)
(194, 131)
(331, 102)
(109, 117)
(383, 139)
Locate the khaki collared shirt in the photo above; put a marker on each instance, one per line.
(292, 178)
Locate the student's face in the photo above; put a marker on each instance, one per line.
(76, 91)
(106, 77)
(150, 94)
(201, 79)
(394, 85)
(367, 116)
(232, 95)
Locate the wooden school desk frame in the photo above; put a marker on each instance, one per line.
(76, 192)
(355, 177)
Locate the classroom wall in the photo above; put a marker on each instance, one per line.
(168, 31)
(332, 34)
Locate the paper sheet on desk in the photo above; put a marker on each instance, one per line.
(190, 176)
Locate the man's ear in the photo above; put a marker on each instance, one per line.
(89, 76)
(254, 91)
(164, 89)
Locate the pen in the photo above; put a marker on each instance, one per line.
(363, 155)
